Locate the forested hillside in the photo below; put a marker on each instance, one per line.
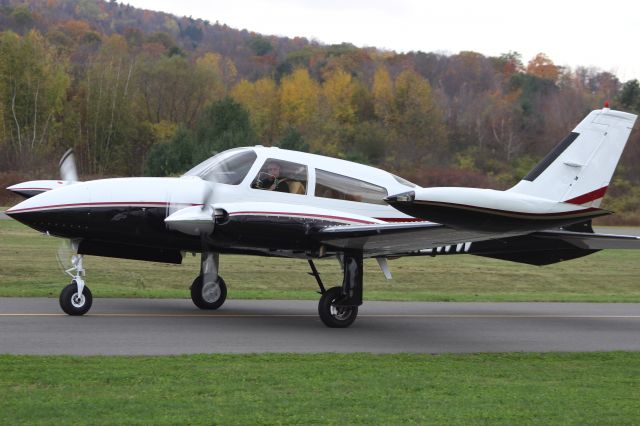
(138, 92)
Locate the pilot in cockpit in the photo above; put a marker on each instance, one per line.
(272, 179)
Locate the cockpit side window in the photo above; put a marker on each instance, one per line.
(338, 187)
(227, 167)
(281, 176)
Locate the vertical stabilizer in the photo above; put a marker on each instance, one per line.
(578, 170)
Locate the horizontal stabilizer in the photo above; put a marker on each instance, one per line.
(548, 247)
(589, 241)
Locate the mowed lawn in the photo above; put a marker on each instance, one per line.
(521, 388)
(28, 267)
(510, 389)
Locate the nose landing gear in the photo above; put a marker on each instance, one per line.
(75, 299)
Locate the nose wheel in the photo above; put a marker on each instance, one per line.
(75, 299)
(74, 302)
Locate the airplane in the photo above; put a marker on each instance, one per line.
(268, 201)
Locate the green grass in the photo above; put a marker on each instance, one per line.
(28, 267)
(579, 389)
(567, 388)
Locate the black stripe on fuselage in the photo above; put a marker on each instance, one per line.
(478, 218)
(145, 227)
(551, 157)
(511, 213)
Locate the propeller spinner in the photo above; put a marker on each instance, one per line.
(194, 220)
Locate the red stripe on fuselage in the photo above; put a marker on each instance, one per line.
(401, 219)
(589, 196)
(99, 204)
(155, 203)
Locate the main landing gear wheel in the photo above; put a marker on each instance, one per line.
(74, 304)
(332, 315)
(210, 295)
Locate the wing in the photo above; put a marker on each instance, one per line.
(401, 238)
(35, 187)
(589, 241)
(410, 239)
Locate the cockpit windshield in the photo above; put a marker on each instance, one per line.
(228, 167)
(404, 181)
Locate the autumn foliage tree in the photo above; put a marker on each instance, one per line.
(417, 121)
(261, 99)
(542, 66)
(127, 87)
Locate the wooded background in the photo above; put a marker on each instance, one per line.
(137, 92)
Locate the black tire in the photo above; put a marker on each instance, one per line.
(208, 298)
(71, 304)
(335, 316)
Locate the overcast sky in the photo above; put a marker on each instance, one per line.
(605, 35)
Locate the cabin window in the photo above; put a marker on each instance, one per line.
(338, 187)
(230, 167)
(281, 176)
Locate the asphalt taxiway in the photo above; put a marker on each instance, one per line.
(175, 326)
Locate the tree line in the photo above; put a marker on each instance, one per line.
(155, 103)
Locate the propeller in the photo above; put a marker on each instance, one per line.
(68, 170)
(64, 254)
(67, 248)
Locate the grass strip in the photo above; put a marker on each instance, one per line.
(523, 388)
(28, 267)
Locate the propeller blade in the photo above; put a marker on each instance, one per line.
(68, 171)
(66, 250)
(207, 195)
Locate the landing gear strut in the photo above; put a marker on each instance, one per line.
(338, 306)
(209, 291)
(76, 299)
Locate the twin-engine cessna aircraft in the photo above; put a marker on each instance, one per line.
(275, 202)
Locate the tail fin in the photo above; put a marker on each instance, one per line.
(580, 167)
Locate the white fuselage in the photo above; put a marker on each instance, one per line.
(188, 191)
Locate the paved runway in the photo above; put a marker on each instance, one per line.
(174, 326)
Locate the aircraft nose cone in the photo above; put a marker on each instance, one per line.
(23, 212)
(46, 212)
(23, 207)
